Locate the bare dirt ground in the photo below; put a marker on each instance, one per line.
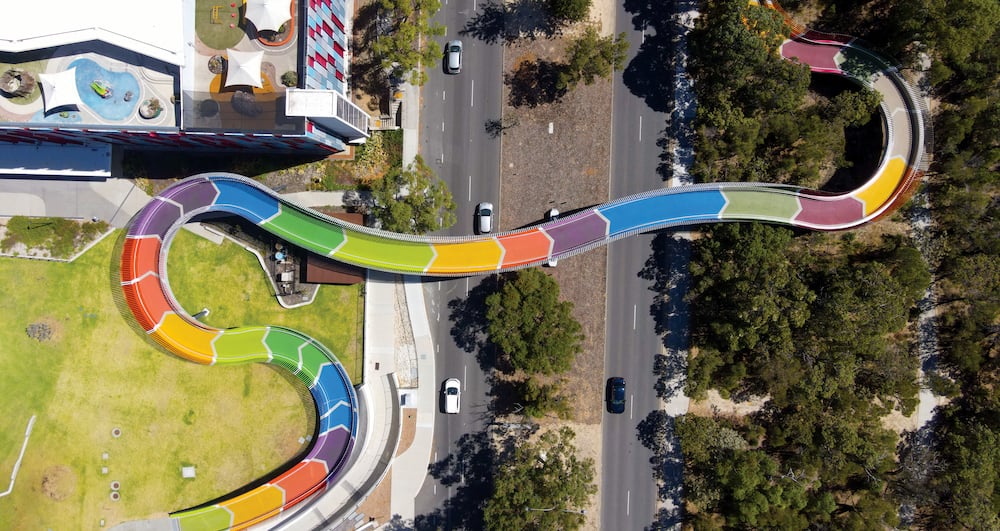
(567, 169)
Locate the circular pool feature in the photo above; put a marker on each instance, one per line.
(116, 432)
(103, 91)
(115, 485)
(115, 495)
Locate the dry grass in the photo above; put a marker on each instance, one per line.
(567, 169)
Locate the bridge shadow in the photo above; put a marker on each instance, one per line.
(468, 317)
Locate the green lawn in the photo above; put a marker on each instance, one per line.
(218, 36)
(94, 373)
(229, 281)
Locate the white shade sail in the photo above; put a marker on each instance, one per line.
(243, 68)
(268, 15)
(59, 90)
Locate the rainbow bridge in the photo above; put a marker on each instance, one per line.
(147, 289)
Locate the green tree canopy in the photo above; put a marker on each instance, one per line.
(547, 477)
(408, 49)
(592, 56)
(534, 330)
(412, 200)
(567, 11)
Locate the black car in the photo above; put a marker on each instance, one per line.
(616, 395)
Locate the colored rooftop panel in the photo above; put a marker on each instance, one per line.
(332, 447)
(211, 518)
(301, 480)
(760, 204)
(284, 345)
(139, 257)
(819, 58)
(524, 247)
(250, 507)
(154, 219)
(192, 343)
(656, 211)
(245, 200)
(305, 231)
(576, 231)
(379, 252)
(152, 300)
(825, 212)
(879, 190)
(313, 361)
(238, 345)
(199, 193)
(473, 255)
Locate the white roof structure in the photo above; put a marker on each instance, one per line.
(268, 15)
(150, 27)
(243, 68)
(59, 90)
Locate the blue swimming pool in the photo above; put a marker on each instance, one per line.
(114, 107)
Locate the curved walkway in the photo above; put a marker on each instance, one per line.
(147, 290)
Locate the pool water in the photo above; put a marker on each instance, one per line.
(115, 107)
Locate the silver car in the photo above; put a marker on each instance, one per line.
(484, 218)
(453, 57)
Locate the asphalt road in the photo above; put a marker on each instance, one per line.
(454, 142)
(628, 489)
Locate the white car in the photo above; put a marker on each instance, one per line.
(552, 215)
(452, 395)
(453, 57)
(484, 218)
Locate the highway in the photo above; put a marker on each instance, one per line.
(453, 141)
(628, 489)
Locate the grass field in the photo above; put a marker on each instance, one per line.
(229, 281)
(93, 374)
(219, 36)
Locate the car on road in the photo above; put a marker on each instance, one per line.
(453, 57)
(552, 215)
(452, 395)
(616, 394)
(484, 218)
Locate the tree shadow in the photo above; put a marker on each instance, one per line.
(470, 470)
(508, 22)
(657, 433)
(468, 317)
(534, 83)
(666, 269)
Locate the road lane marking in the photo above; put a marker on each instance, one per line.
(443, 96)
(466, 286)
(635, 310)
(472, 96)
(470, 188)
(435, 489)
(442, 129)
(640, 128)
(631, 402)
(465, 378)
(628, 498)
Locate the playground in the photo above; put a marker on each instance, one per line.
(76, 363)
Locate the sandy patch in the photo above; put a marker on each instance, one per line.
(58, 482)
(714, 404)
(409, 421)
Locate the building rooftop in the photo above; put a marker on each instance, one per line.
(150, 27)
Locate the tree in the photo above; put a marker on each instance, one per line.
(567, 11)
(412, 200)
(533, 329)
(543, 486)
(592, 56)
(407, 49)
